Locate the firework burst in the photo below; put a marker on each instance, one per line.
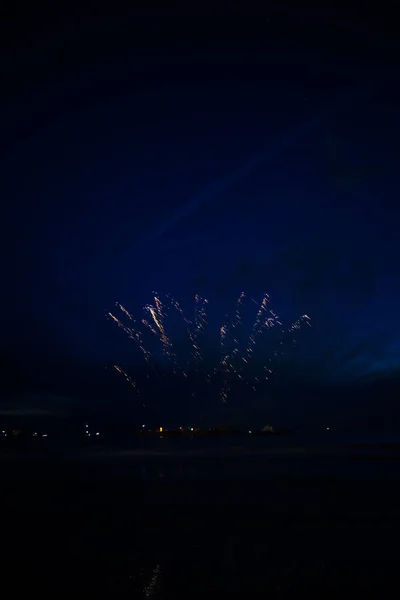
(236, 359)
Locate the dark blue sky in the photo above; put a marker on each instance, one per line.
(199, 154)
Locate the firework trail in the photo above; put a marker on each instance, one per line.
(194, 327)
(133, 334)
(136, 336)
(200, 313)
(233, 362)
(228, 327)
(158, 316)
(149, 326)
(123, 309)
(128, 378)
(200, 323)
(258, 323)
(297, 324)
(226, 364)
(235, 323)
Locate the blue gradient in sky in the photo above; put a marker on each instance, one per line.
(193, 185)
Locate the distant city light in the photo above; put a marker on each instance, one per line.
(161, 429)
(249, 430)
(191, 429)
(143, 426)
(44, 434)
(97, 433)
(86, 426)
(328, 429)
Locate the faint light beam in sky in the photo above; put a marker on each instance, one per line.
(225, 181)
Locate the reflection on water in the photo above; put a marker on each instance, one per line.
(239, 569)
(285, 524)
(153, 587)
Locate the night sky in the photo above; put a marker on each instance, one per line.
(200, 154)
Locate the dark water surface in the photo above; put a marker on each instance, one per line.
(207, 518)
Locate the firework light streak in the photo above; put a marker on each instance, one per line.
(256, 327)
(233, 363)
(189, 330)
(200, 313)
(125, 311)
(149, 326)
(226, 364)
(158, 317)
(200, 322)
(194, 328)
(128, 378)
(133, 334)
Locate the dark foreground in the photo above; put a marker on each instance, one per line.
(281, 524)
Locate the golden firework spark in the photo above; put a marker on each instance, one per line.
(233, 363)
